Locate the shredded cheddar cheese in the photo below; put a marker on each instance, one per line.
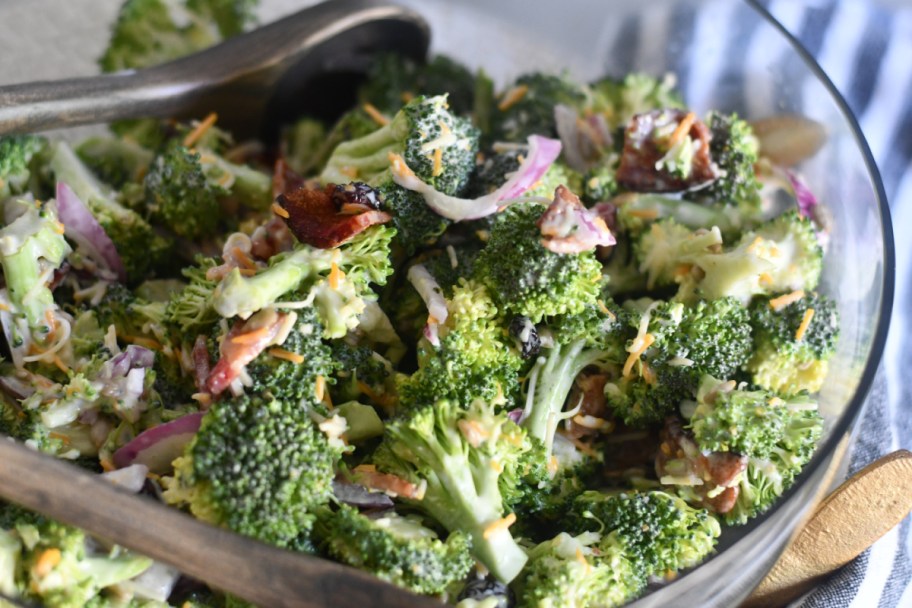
(781, 302)
(47, 561)
(512, 97)
(497, 526)
(375, 114)
(634, 356)
(438, 162)
(287, 355)
(280, 211)
(320, 388)
(805, 323)
(199, 130)
(682, 129)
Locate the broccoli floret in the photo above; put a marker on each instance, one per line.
(307, 156)
(364, 260)
(130, 315)
(293, 378)
(636, 211)
(527, 106)
(780, 255)
(16, 155)
(361, 372)
(437, 145)
(599, 184)
(190, 308)
(397, 549)
(150, 32)
(301, 144)
(32, 248)
(660, 532)
(178, 194)
(459, 456)
(57, 565)
(258, 466)
(140, 247)
(393, 81)
(793, 341)
(526, 279)
(620, 100)
(734, 150)
(494, 170)
(586, 570)
(25, 425)
(116, 161)
(473, 360)
(661, 249)
(778, 436)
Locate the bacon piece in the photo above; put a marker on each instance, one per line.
(244, 342)
(329, 217)
(568, 227)
(200, 357)
(285, 179)
(271, 238)
(645, 145)
(592, 390)
(714, 470)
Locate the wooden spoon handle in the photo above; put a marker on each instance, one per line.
(847, 522)
(261, 574)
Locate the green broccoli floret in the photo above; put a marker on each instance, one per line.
(473, 360)
(307, 155)
(526, 279)
(599, 184)
(190, 308)
(140, 247)
(793, 342)
(116, 161)
(130, 315)
(150, 32)
(301, 144)
(527, 106)
(636, 212)
(586, 570)
(459, 456)
(394, 80)
(778, 436)
(258, 466)
(734, 150)
(178, 194)
(493, 172)
(397, 549)
(661, 249)
(290, 381)
(360, 373)
(660, 532)
(16, 155)
(32, 248)
(437, 145)
(636, 93)
(25, 425)
(365, 259)
(45, 561)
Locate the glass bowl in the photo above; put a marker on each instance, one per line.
(726, 55)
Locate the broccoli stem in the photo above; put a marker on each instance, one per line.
(238, 296)
(554, 377)
(10, 549)
(108, 571)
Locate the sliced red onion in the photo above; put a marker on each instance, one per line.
(568, 227)
(157, 447)
(803, 195)
(357, 495)
(130, 478)
(515, 415)
(429, 290)
(541, 155)
(81, 226)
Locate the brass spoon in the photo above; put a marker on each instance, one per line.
(254, 81)
(254, 571)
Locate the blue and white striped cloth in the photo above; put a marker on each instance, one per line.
(866, 49)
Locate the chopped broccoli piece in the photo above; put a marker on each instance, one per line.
(393, 81)
(258, 466)
(116, 161)
(599, 184)
(734, 150)
(636, 93)
(397, 549)
(179, 196)
(527, 106)
(790, 353)
(661, 249)
(660, 532)
(16, 155)
(526, 279)
(459, 456)
(190, 308)
(437, 145)
(586, 570)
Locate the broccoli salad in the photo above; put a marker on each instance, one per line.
(537, 347)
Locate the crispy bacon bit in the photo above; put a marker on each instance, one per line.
(329, 217)
(200, 357)
(646, 144)
(709, 472)
(568, 227)
(589, 392)
(393, 485)
(285, 179)
(244, 342)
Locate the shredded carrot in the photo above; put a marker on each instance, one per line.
(200, 130)
(781, 302)
(320, 388)
(335, 276)
(251, 336)
(438, 162)
(287, 355)
(682, 129)
(46, 562)
(280, 211)
(501, 524)
(805, 323)
(512, 97)
(634, 356)
(375, 114)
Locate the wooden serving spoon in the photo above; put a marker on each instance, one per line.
(847, 522)
(254, 571)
